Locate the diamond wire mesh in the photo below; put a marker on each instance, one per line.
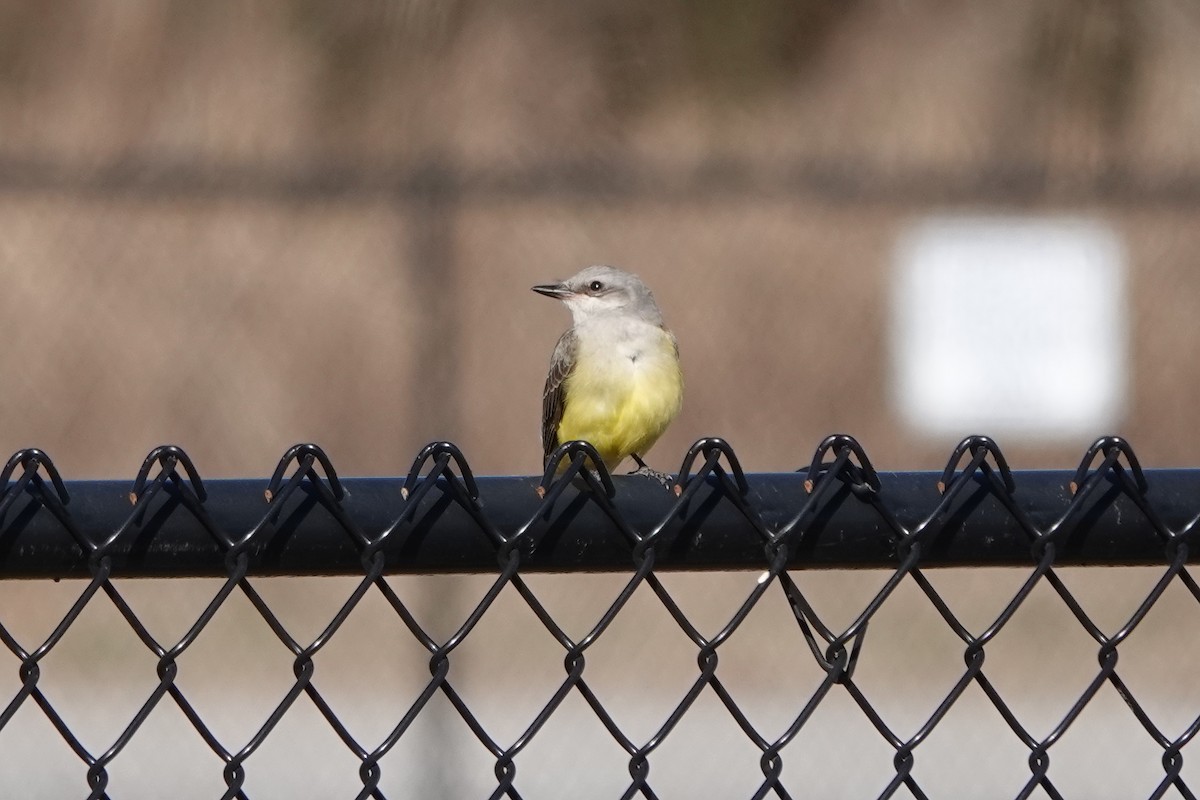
(839, 464)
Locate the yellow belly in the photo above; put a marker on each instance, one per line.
(621, 409)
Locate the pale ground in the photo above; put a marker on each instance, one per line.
(508, 668)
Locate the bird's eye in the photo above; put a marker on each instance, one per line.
(595, 286)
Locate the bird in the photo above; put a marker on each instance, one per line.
(615, 380)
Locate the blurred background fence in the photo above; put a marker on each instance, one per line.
(330, 218)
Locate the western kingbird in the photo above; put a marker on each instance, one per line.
(614, 379)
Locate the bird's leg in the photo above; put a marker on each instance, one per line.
(662, 477)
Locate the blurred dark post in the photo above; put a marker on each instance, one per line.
(430, 199)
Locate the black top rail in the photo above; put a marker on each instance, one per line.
(837, 512)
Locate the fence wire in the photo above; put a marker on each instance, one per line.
(168, 488)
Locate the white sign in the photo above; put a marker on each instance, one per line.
(1010, 326)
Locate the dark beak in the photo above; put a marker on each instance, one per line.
(555, 290)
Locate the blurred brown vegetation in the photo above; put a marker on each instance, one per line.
(236, 226)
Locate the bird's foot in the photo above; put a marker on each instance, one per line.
(662, 477)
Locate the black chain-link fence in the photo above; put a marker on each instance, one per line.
(836, 512)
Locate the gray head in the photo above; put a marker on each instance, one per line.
(600, 291)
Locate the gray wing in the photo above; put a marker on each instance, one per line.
(554, 395)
